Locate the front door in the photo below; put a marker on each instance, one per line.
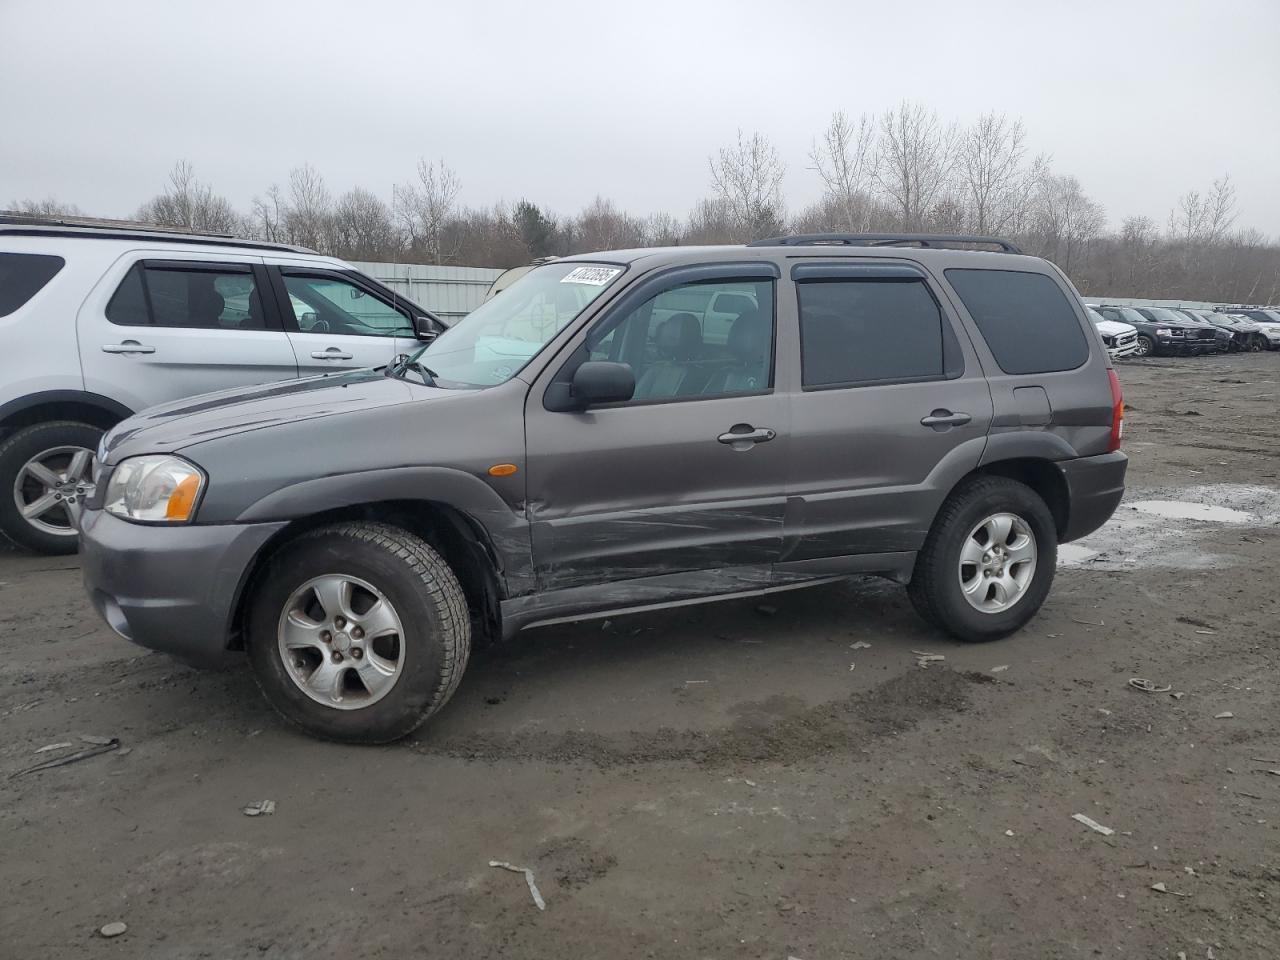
(892, 411)
(164, 329)
(686, 476)
(337, 323)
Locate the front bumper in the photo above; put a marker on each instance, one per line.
(170, 588)
(1094, 488)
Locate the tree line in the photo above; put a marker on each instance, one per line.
(904, 170)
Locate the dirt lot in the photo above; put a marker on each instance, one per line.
(732, 781)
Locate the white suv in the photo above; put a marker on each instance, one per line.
(99, 322)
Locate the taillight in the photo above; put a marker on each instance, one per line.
(1117, 411)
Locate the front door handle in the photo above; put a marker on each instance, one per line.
(129, 346)
(333, 353)
(941, 419)
(743, 436)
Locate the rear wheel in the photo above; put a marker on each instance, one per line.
(358, 632)
(45, 472)
(988, 562)
(1145, 346)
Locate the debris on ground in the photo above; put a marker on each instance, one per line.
(97, 741)
(1089, 623)
(1092, 824)
(53, 746)
(1159, 887)
(852, 665)
(1148, 686)
(95, 751)
(1224, 715)
(924, 659)
(1000, 669)
(263, 808)
(528, 878)
(860, 645)
(1008, 833)
(1264, 760)
(113, 929)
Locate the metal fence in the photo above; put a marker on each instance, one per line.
(448, 292)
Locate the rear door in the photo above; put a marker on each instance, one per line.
(337, 322)
(892, 409)
(161, 327)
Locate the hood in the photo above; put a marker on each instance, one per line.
(173, 426)
(1113, 328)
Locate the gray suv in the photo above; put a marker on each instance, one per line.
(615, 432)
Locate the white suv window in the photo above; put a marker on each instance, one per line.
(328, 304)
(200, 296)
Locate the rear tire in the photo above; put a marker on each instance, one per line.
(36, 464)
(352, 687)
(937, 587)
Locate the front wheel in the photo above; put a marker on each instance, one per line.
(358, 632)
(988, 562)
(45, 473)
(1145, 346)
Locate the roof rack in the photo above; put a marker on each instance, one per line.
(23, 225)
(883, 240)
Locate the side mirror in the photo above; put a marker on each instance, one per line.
(593, 383)
(425, 328)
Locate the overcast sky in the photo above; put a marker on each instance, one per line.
(559, 101)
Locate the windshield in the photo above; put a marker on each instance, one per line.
(1094, 315)
(494, 342)
(1130, 315)
(1167, 316)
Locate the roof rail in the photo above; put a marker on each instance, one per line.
(883, 240)
(24, 225)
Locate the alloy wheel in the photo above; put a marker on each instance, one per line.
(997, 562)
(50, 489)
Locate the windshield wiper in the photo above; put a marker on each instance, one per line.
(404, 363)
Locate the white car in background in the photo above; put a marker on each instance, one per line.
(1120, 339)
(1267, 322)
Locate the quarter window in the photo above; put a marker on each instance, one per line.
(201, 297)
(858, 332)
(22, 276)
(1025, 318)
(326, 304)
(696, 340)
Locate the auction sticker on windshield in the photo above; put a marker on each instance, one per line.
(592, 276)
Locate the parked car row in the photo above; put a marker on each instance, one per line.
(1183, 331)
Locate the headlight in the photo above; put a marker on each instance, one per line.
(1164, 332)
(157, 489)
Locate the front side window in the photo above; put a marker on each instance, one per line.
(1025, 318)
(328, 304)
(856, 332)
(496, 340)
(22, 275)
(695, 340)
(203, 297)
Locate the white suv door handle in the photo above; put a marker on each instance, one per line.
(129, 346)
(333, 353)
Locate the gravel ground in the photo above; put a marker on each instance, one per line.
(729, 780)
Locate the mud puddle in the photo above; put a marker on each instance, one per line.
(1167, 527)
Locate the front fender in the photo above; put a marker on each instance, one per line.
(506, 529)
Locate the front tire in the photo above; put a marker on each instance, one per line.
(1146, 347)
(44, 475)
(358, 632)
(988, 561)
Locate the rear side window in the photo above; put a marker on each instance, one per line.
(206, 297)
(857, 332)
(22, 276)
(1025, 318)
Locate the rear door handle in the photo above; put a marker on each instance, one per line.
(129, 346)
(333, 353)
(743, 436)
(945, 418)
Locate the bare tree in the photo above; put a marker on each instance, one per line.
(661, 230)
(308, 216)
(1205, 219)
(602, 226)
(845, 160)
(916, 155)
(1066, 220)
(267, 217)
(363, 228)
(48, 207)
(186, 202)
(747, 179)
(989, 172)
(427, 206)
